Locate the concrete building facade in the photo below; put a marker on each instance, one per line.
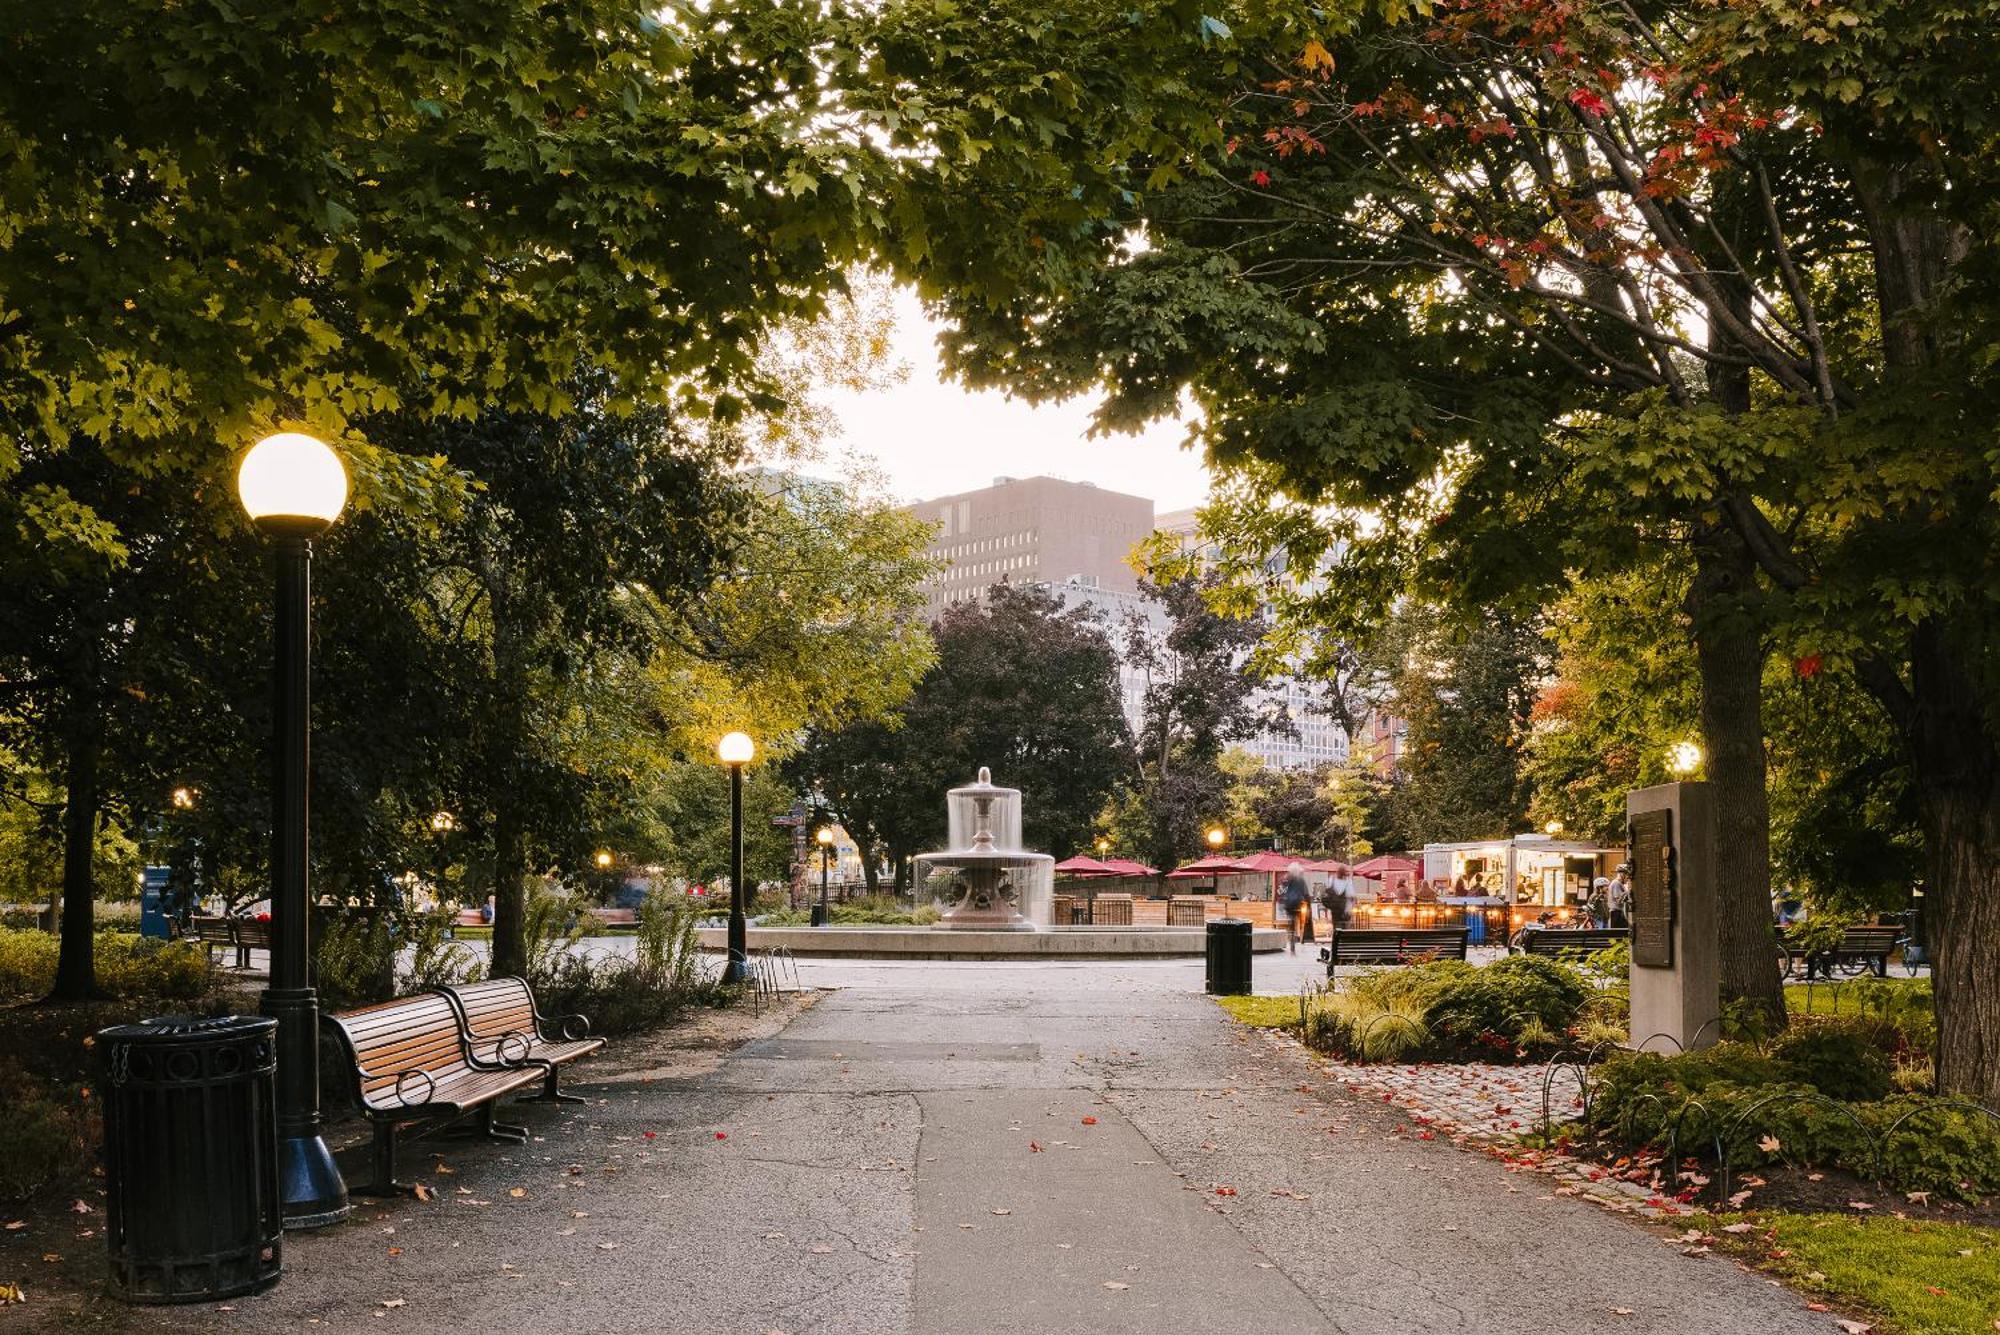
(1033, 530)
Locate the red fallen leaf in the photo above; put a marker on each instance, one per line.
(1225, 1191)
(1818, 1307)
(1034, 1147)
(649, 1134)
(722, 1135)
(1935, 1291)
(1090, 1121)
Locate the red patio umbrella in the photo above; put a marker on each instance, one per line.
(1127, 867)
(1330, 865)
(1213, 866)
(1080, 865)
(1266, 861)
(1376, 868)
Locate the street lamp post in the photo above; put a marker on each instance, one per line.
(293, 487)
(825, 839)
(736, 750)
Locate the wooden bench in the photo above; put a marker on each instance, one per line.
(503, 1027)
(1392, 945)
(1572, 942)
(411, 1063)
(615, 917)
(239, 934)
(1860, 948)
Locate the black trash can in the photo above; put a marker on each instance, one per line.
(191, 1158)
(819, 914)
(1229, 957)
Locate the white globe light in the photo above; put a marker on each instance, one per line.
(1684, 757)
(736, 748)
(292, 477)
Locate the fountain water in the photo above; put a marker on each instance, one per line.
(995, 884)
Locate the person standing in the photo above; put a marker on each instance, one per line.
(1295, 902)
(1618, 898)
(1333, 898)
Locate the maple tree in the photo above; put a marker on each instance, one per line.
(1504, 292)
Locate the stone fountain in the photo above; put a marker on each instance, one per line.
(994, 884)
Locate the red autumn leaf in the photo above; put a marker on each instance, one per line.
(1090, 1121)
(1808, 665)
(722, 1135)
(649, 1134)
(1260, 177)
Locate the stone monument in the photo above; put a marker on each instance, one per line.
(1676, 990)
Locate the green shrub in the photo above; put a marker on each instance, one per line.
(27, 962)
(1841, 1061)
(126, 965)
(620, 995)
(1762, 1114)
(1505, 999)
(354, 960)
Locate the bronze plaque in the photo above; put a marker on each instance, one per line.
(1652, 889)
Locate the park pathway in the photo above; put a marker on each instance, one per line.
(1007, 1149)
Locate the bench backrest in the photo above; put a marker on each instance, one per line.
(250, 932)
(496, 1007)
(1872, 940)
(1375, 945)
(1573, 940)
(209, 928)
(417, 1033)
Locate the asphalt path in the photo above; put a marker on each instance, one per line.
(991, 1149)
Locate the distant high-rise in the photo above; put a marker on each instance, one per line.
(1033, 530)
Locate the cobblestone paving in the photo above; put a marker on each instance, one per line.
(1490, 1108)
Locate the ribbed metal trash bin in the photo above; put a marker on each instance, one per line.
(1228, 957)
(191, 1158)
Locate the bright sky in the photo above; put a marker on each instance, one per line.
(932, 437)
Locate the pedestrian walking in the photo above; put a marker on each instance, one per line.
(1295, 902)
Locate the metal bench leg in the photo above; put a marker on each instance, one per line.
(493, 1130)
(382, 1165)
(550, 1094)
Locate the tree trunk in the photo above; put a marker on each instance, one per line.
(1729, 650)
(871, 876)
(76, 973)
(1957, 766)
(510, 869)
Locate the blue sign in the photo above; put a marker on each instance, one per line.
(153, 902)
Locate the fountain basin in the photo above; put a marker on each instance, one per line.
(934, 943)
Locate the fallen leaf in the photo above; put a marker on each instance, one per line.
(1770, 1144)
(722, 1135)
(607, 1246)
(1739, 1228)
(424, 1193)
(12, 1293)
(1115, 1284)
(1034, 1147)
(13, 1224)
(998, 1209)
(1621, 1311)
(392, 1302)
(1917, 1197)
(822, 1250)
(1090, 1121)
(1854, 1327)
(395, 1251)
(1861, 1205)
(517, 1192)
(80, 1207)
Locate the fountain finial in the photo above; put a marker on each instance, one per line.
(985, 774)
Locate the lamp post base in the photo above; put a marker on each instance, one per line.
(310, 1187)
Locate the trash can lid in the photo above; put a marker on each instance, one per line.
(174, 1028)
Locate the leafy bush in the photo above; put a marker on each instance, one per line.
(354, 960)
(1840, 1061)
(1753, 1105)
(1506, 999)
(620, 995)
(871, 911)
(1449, 1008)
(126, 964)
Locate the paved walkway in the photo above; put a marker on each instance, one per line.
(972, 1149)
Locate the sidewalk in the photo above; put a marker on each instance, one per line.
(990, 1150)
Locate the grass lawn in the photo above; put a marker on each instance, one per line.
(1264, 1012)
(1917, 1278)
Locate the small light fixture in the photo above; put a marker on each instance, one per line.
(736, 748)
(1216, 835)
(184, 798)
(603, 858)
(443, 822)
(1683, 758)
(825, 836)
(292, 482)
(1553, 827)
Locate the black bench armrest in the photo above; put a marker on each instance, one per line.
(569, 1028)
